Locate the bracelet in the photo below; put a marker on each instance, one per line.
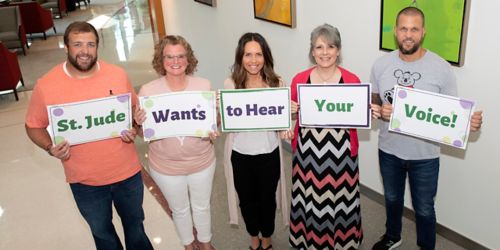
(48, 147)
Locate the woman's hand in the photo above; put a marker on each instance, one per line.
(294, 107)
(213, 135)
(217, 100)
(139, 116)
(286, 134)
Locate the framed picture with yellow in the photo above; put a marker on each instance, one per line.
(276, 11)
(445, 20)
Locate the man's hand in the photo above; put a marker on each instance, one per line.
(376, 110)
(476, 121)
(60, 151)
(386, 111)
(128, 136)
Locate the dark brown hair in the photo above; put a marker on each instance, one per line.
(80, 27)
(411, 11)
(238, 72)
(173, 40)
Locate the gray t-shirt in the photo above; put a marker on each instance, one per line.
(431, 73)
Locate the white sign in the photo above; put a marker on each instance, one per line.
(432, 116)
(186, 113)
(255, 109)
(335, 105)
(91, 120)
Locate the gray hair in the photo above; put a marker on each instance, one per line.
(331, 36)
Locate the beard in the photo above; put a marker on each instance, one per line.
(409, 51)
(82, 68)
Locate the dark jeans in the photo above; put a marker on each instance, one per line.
(256, 179)
(423, 179)
(94, 203)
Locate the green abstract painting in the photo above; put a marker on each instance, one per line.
(445, 24)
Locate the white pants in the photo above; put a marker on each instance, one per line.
(185, 193)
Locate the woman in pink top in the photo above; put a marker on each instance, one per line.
(183, 167)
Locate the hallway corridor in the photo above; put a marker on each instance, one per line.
(37, 210)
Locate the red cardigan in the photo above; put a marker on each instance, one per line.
(349, 78)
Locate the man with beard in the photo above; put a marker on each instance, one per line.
(401, 155)
(99, 173)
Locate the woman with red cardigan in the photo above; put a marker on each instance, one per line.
(325, 211)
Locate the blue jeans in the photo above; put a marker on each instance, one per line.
(94, 203)
(423, 179)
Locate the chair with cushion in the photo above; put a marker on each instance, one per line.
(35, 18)
(10, 73)
(51, 5)
(12, 32)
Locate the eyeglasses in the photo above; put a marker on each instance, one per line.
(172, 57)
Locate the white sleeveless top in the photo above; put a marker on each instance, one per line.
(255, 143)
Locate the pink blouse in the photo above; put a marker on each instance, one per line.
(179, 155)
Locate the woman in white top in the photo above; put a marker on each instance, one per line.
(253, 159)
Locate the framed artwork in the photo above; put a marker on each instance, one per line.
(445, 23)
(207, 2)
(277, 11)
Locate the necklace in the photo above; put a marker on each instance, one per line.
(325, 79)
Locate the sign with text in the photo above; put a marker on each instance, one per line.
(186, 113)
(255, 109)
(91, 120)
(335, 105)
(432, 116)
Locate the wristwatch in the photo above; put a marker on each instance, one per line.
(47, 148)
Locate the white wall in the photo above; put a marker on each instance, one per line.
(468, 201)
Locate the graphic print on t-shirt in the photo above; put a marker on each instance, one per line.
(403, 78)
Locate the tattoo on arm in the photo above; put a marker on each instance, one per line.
(376, 99)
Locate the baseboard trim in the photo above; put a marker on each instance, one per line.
(408, 213)
(447, 233)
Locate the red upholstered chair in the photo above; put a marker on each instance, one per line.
(10, 73)
(35, 18)
(60, 5)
